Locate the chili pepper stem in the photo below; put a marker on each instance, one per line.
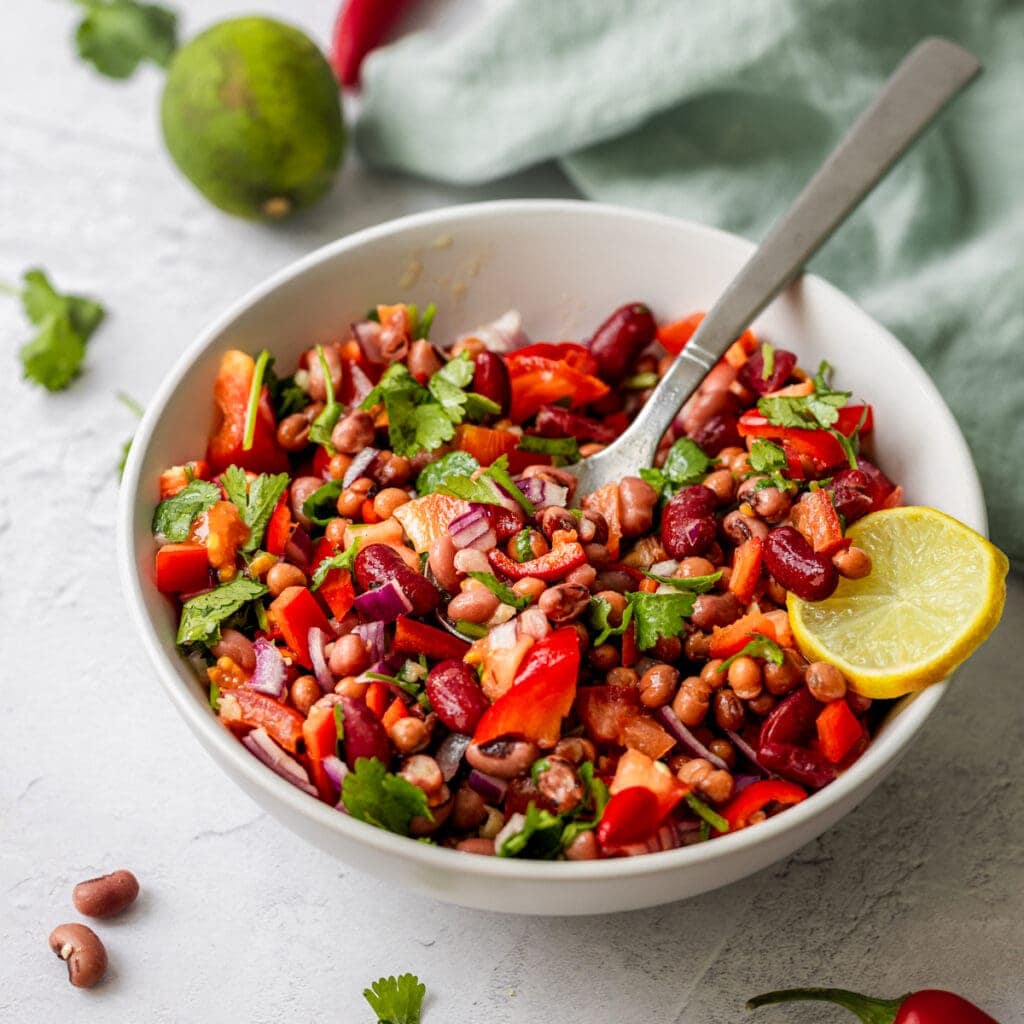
(870, 1011)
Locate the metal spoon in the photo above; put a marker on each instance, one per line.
(929, 77)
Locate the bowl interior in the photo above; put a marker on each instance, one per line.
(564, 266)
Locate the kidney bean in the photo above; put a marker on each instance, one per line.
(851, 494)
(376, 564)
(554, 421)
(616, 344)
(789, 557)
(86, 956)
(798, 764)
(490, 379)
(503, 758)
(752, 374)
(879, 485)
(455, 695)
(683, 536)
(365, 735)
(718, 432)
(107, 895)
(695, 501)
(793, 721)
(710, 610)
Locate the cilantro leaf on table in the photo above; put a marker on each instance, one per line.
(342, 560)
(435, 474)
(504, 593)
(115, 36)
(693, 584)
(174, 515)
(202, 615)
(256, 501)
(372, 794)
(658, 615)
(396, 1000)
(53, 358)
(757, 647)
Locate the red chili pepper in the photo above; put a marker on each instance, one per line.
(928, 1006)
(746, 569)
(630, 816)
(279, 529)
(816, 518)
(556, 564)
(182, 568)
(756, 797)
(296, 612)
(839, 731)
(256, 710)
(231, 395)
(362, 26)
(541, 695)
(412, 637)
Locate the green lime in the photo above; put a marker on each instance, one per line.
(251, 116)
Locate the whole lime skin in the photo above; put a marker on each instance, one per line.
(252, 117)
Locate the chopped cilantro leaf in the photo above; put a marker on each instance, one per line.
(255, 502)
(498, 472)
(372, 794)
(816, 411)
(286, 396)
(501, 591)
(706, 814)
(600, 610)
(766, 457)
(174, 515)
(480, 491)
(433, 427)
(202, 615)
(115, 36)
(541, 836)
(342, 560)
(693, 584)
(758, 647)
(655, 477)
(522, 546)
(322, 505)
(396, 1000)
(567, 448)
(658, 615)
(478, 407)
(458, 371)
(255, 390)
(435, 474)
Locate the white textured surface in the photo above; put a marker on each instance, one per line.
(923, 885)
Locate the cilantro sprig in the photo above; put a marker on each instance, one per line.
(396, 1000)
(321, 427)
(342, 560)
(659, 615)
(769, 460)
(693, 584)
(202, 615)
(54, 357)
(115, 36)
(686, 464)
(483, 491)
(255, 502)
(373, 794)
(436, 474)
(174, 515)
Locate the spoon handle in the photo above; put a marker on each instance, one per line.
(927, 79)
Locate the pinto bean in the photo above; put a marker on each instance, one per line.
(554, 518)
(710, 610)
(441, 560)
(637, 499)
(237, 646)
(280, 577)
(293, 432)
(475, 604)
(302, 490)
(478, 845)
(423, 360)
(107, 895)
(559, 784)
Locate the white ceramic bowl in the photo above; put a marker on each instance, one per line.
(565, 266)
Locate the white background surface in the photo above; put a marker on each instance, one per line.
(239, 921)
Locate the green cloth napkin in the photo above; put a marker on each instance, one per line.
(719, 112)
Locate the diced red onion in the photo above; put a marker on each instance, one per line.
(533, 622)
(503, 637)
(513, 827)
(666, 568)
(449, 754)
(502, 495)
(335, 769)
(543, 492)
(258, 742)
(299, 548)
(359, 384)
(269, 675)
(502, 335)
(360, 466)
(315, 640)
(372, 634)
(491, 788)
(367, 334)
(384, 604)
(745, 749)
(686, 738)
(741, 782)
(473, 529)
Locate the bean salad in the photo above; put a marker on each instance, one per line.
(399, 604)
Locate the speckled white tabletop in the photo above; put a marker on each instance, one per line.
(240, 921)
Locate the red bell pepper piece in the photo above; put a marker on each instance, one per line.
(746, 569)
(927, 1006)
(630, 650)
(636, 769)
(523, 360)
(338, 592)
(556, 564)
(554, 421)
(605, 711)
(362, 26)
(541, 695)
(255, 710)
(295, 612)
(231, 395)
(378, 696)
(815, 517)
(675, 335)
(485, 444)
(630, 816)
(729, 640)
(756, 797)
(395, 712)
(646, 736)
(563, 371)
(320, 732)
(182, 568)
(279, 529)
(839, 731)
(177, 478)
(412, 637)
(818, 445)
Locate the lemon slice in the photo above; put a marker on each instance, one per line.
(934, 594)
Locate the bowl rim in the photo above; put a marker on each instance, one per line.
(881, 755)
